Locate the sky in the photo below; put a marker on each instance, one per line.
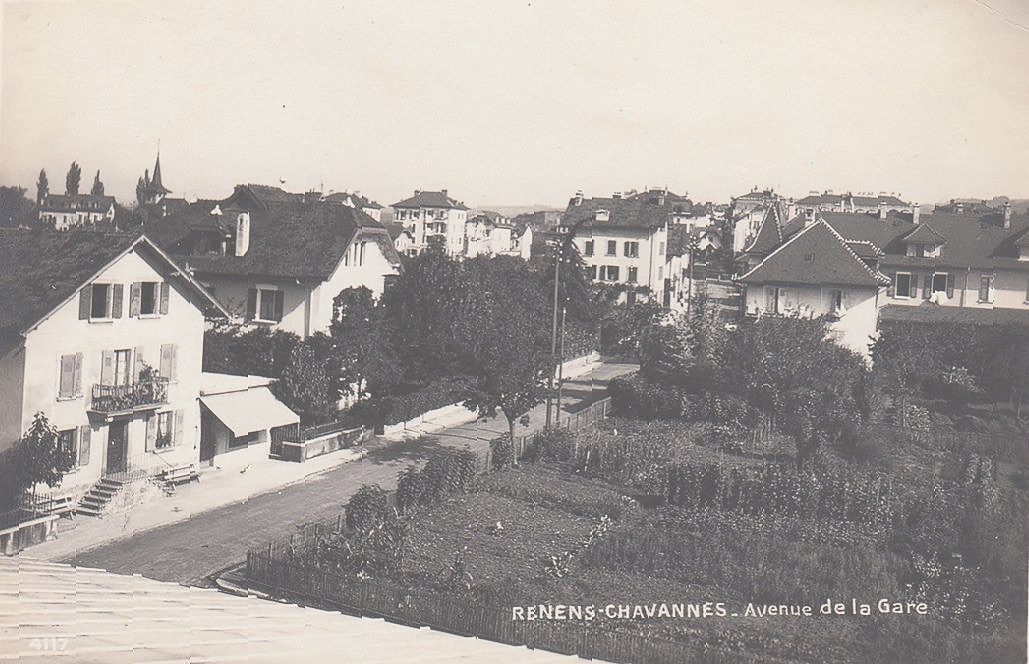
(521, 103)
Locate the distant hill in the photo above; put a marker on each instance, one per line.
(1018, 205)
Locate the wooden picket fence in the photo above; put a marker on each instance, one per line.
(295, 580)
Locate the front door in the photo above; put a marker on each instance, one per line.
(208, 441)
(117, 444)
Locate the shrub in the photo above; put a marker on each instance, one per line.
(374, 541)
(634, 396)
(446, 473)
(501, 452)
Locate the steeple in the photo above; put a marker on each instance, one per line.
(156, 186)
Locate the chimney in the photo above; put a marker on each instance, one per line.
(1007, 215)
(242, 233)
(791, 209)
(617, 195)
(578, 197)
(444, 192)
(882, 210)
(661, 197)
(916, 212)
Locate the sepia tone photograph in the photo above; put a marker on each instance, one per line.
(395, 331)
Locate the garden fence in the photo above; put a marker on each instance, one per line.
(294, 579)
(576, 421)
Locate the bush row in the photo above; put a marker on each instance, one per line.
(447, 473)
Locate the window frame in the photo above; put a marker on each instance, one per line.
(612, 248)
(588, 248)
(987, 280)
(164, 428)
(932, 283)
(155, 300)
(108, 305)
(259, 309)
(632, 275)
(896, 286)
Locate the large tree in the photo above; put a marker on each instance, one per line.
(305, 386)
(363, 350)
(42, 187)
(503, 330)
(15, 208)
(72, 179)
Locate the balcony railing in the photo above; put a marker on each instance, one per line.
(122, 398)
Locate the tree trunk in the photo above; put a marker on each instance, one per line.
(514, 448)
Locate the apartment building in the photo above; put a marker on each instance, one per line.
(434, 219)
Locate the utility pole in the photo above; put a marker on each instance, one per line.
(560, 366)
(553, 331)
(689, 287)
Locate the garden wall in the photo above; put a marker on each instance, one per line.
(324, 444)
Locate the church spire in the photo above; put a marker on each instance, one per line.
(156, 186)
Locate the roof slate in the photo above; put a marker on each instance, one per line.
(816, 255)
(624, 213)
(769, 234)
(434, 199)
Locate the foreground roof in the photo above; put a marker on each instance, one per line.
(816, 255)
(40, 270)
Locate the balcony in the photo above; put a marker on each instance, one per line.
(109, 399)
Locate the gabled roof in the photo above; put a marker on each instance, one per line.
(433, 199)
(76, 202)
(266, 194)
(622, 213)
(291, 239)
(40, 270)
(924, 234)
(353, 198)
(769, 234)
(816, 255)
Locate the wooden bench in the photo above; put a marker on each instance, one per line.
(63, 506)
(180, 475)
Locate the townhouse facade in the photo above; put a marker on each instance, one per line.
(103, 333)
(488, 234)
(623, 243)
(277, 259)
(860, 203)
(434, 219)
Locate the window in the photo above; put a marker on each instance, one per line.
(633, 272)
(902, 285)
(101, 307)
(809, 258)
(589, 247)
(77, 442)
(612, 247)
(165, 432)
(661, 249)
(772, 300)
(122, 367)
(940, 282)
(632, 249)
(611, 273)
(265, 305)
(70, 377)
(986, 288)
(835, 300)
(660, 272)
(147, 298)
(593, 272)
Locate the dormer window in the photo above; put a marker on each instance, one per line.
(602, 215)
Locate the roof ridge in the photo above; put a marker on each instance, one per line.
(853, 253)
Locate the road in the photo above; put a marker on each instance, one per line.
(190, 551)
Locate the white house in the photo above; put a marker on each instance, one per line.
(434, 219)
(63, 211)
(103, 333)
(623, 242)
(279, 259)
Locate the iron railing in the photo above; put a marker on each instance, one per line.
(120, 398)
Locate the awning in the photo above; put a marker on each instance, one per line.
(255, 409)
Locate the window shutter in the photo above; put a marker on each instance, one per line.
(914, 286)
(174, 373)
(950, 286)
(168, 361)
(67, 388)
(134, 290)
(151, 432)
(625, 249)
(77, 382)
(279, 297)
(116, 300)
(165, 292)
(137, 362)
(252, 304)
(891, 289)
(180, 415)
(85, 302)
(85, 439)
(107, 368)
(927, 287)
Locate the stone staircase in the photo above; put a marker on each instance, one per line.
(109, 496)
